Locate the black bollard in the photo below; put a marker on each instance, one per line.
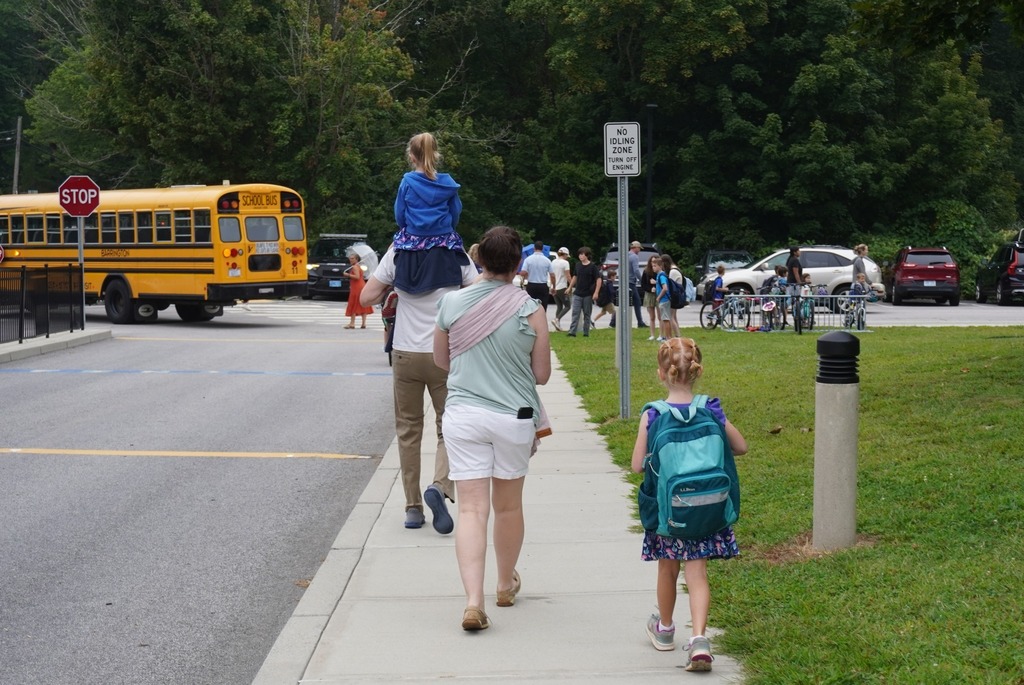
(836, 409)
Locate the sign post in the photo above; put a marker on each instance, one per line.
(621, 160)
(79, 196)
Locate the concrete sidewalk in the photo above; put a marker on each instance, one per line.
(386, 605)
(31, 347)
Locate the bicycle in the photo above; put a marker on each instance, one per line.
(855, 313)
(803, 309)
(773, 309)
(732, 314)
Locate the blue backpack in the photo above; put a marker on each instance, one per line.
(691, 489)
(676, 295)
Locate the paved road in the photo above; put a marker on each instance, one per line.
(166, 494)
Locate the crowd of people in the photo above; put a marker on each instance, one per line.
(464, 335)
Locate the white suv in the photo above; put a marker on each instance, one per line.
(828, 265)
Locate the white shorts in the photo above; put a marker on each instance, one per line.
(485, 444)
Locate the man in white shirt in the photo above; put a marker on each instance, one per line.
(414, 372)
(560, 286)
(536, 271)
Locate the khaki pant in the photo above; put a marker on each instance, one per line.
(413, 373)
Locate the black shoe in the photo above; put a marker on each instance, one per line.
(641, 325)
(572, 335)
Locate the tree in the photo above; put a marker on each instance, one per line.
(919, 25)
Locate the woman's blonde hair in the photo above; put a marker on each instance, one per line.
(423, 153)
(861, 249)
(680, 360)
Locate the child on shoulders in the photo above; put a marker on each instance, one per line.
(427, 211)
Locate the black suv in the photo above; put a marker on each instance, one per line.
(922, 272)
(1002, 277)
(327, 262)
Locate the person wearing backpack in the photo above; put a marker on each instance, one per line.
(668, 265)
(679, 367)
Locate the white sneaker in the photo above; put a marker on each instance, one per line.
(650, 337)
(554, 322)
(661, 339)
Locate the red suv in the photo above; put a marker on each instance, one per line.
(923, 272)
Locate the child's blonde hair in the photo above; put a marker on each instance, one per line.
(423, 153)
(679, 359)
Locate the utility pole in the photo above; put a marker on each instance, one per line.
(17, 155)
(650, 172)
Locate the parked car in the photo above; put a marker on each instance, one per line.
(922, 272)
(327, 263)
(1002, 277)
(731, 259)
(611, 258)
(828, 265)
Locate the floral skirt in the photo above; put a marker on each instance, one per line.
(721, 545)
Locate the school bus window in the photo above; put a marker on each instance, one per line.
(3, 230)
(230, 229)
(17, 228)
(163, 227)
(126, 227)
(292, 228)
(182, 226)
(202, 224)
(53, 229)
(145, 224)
(70, 229)
(92, 234)
(261, 228)
(34, 224)
(108, 227)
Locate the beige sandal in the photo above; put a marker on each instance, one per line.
(474, 618)
(507, 598)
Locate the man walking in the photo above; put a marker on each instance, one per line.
(634, 282)
(560, 286)
(537, 274)
(414, 373)
(585, 286)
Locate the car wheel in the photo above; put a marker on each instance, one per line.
(955, 300)
(978, 295)
(1002, 296)
(841, 299)
(897, 299)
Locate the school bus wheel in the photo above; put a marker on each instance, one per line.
(117, 300)
(198, 312)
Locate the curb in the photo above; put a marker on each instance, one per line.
(32, 347)
(288, 658)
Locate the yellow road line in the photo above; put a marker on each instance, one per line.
(174, 453)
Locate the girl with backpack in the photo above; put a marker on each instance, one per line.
(679, 367)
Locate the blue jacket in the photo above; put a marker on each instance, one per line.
(425, 207)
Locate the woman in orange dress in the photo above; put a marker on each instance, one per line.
(353, 308)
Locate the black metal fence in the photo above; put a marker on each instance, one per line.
(37, 302)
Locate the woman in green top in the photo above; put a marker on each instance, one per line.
(493, 340)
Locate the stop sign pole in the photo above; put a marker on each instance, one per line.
(79, 196)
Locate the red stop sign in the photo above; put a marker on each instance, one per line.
(79, 195)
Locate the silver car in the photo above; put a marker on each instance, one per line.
(827, 265)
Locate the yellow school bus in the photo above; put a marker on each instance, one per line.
(199, 248)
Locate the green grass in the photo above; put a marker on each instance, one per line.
(933, 592)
